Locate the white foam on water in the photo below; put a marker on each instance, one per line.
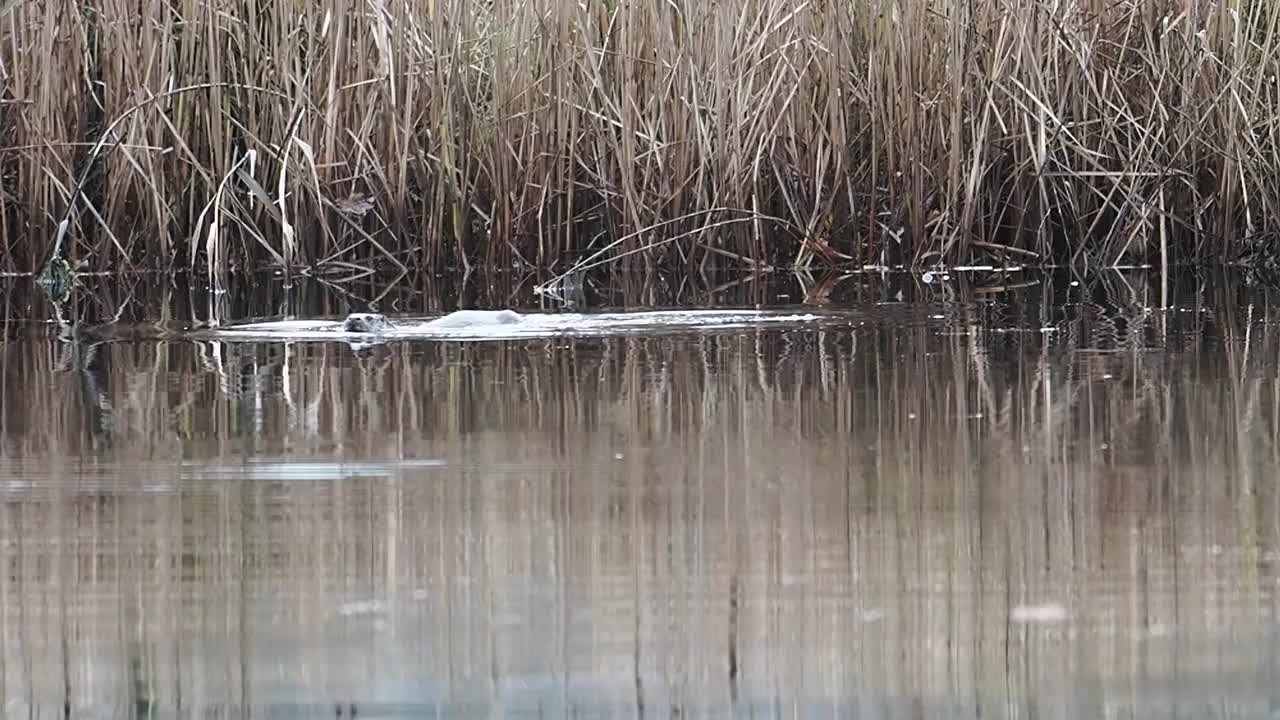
(531, 325)
(1046, 614)
(285, 326)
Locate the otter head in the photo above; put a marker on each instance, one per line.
(365, 323)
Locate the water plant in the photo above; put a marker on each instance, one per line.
(434, 134)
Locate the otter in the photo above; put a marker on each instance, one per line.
(475, 318)
(374, 323)
(373, 328)
(365, 323)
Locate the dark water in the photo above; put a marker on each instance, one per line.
(1031, 499)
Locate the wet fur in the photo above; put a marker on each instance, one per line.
(372, 323)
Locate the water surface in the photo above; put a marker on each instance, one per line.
(1052, 500)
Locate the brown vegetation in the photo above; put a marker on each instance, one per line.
(434, 133)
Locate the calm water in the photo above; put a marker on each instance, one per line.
(1048, 501)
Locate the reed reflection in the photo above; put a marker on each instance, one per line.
(932, 511)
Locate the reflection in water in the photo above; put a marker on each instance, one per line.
(938, 510)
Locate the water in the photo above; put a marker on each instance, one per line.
(1052, 500)
(473, 325)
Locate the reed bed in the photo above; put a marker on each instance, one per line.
(438, 134)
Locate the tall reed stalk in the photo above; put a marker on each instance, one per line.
(449, 133)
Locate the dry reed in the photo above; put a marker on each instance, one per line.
(449, 133)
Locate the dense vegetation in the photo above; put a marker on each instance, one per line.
(442, 133)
